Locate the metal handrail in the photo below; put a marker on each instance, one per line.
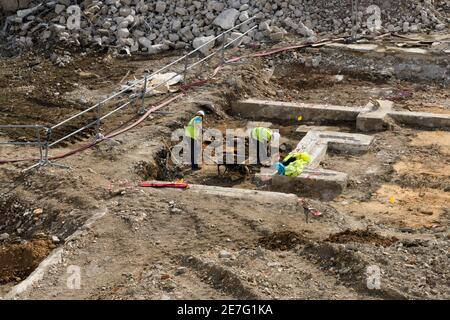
(42, 144)
(146, 90)
(89, 125)
(45, 144)
(24, 126)
(152, 75)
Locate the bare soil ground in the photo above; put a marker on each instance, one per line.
(394, 214)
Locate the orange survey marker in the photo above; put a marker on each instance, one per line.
(164, 185)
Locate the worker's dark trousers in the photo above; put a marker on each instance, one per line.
(194, 149)
(261, 151)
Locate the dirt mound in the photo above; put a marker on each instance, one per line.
(284, 240)
(17, 261)
(361, 236)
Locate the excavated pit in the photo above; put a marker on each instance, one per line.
(361, 236)
(283, 241)
(17, 261)
(329, 84)
(30, 228)
(23, 240)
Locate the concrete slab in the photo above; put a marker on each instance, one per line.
(340, 141)
(306, 128)
(363, 47)
(421, 119)
(317, 183)
(243, 194)
(315, 147)
(55, 257)
(372, 117)
(256, 124)
(376, 119)
(289, 112)
(409, 50)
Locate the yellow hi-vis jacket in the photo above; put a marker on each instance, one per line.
(304, 156)
(295, 168)
(194, 127)
(262, 134)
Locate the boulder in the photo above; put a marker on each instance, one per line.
(227, 18)
(198, 42)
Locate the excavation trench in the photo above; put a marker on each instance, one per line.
(231, 173)
(29, 231)
(373, 177)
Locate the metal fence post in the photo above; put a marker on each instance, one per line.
(46, 143)
(185, 72)
(223, 49)
(41, 151)
(144, 92)
(97, 124)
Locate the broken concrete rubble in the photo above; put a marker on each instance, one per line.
(204, 43)
(178, 23)
(13, 5)
(227, 18)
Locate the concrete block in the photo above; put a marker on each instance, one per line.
(318, 183)
(372, 117)
(315, 141)
(305, 128)
(256, 124)
(374, 120)
(289, 112)
(241, 194)
(421, 119)
(315, 181)
(315, 147)
(346, 142)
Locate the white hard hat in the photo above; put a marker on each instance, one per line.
(201, 113)
(276, 136)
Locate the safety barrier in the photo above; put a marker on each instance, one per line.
(46, 143)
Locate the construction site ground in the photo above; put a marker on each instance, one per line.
(394, 213)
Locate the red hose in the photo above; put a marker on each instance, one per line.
(170, 100)
(164, 185)
(108, 136)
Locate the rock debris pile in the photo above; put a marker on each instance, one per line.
(154, 26)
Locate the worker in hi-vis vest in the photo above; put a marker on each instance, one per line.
(194, 133)
(262, 137)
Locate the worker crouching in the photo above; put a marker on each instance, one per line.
(294, 164)
(193, 133)
(262, 138)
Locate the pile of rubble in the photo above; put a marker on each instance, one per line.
(155, 25)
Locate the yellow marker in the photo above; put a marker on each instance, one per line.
(300, 118)
(392, 200)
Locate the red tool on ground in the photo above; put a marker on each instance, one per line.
(164, 185)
